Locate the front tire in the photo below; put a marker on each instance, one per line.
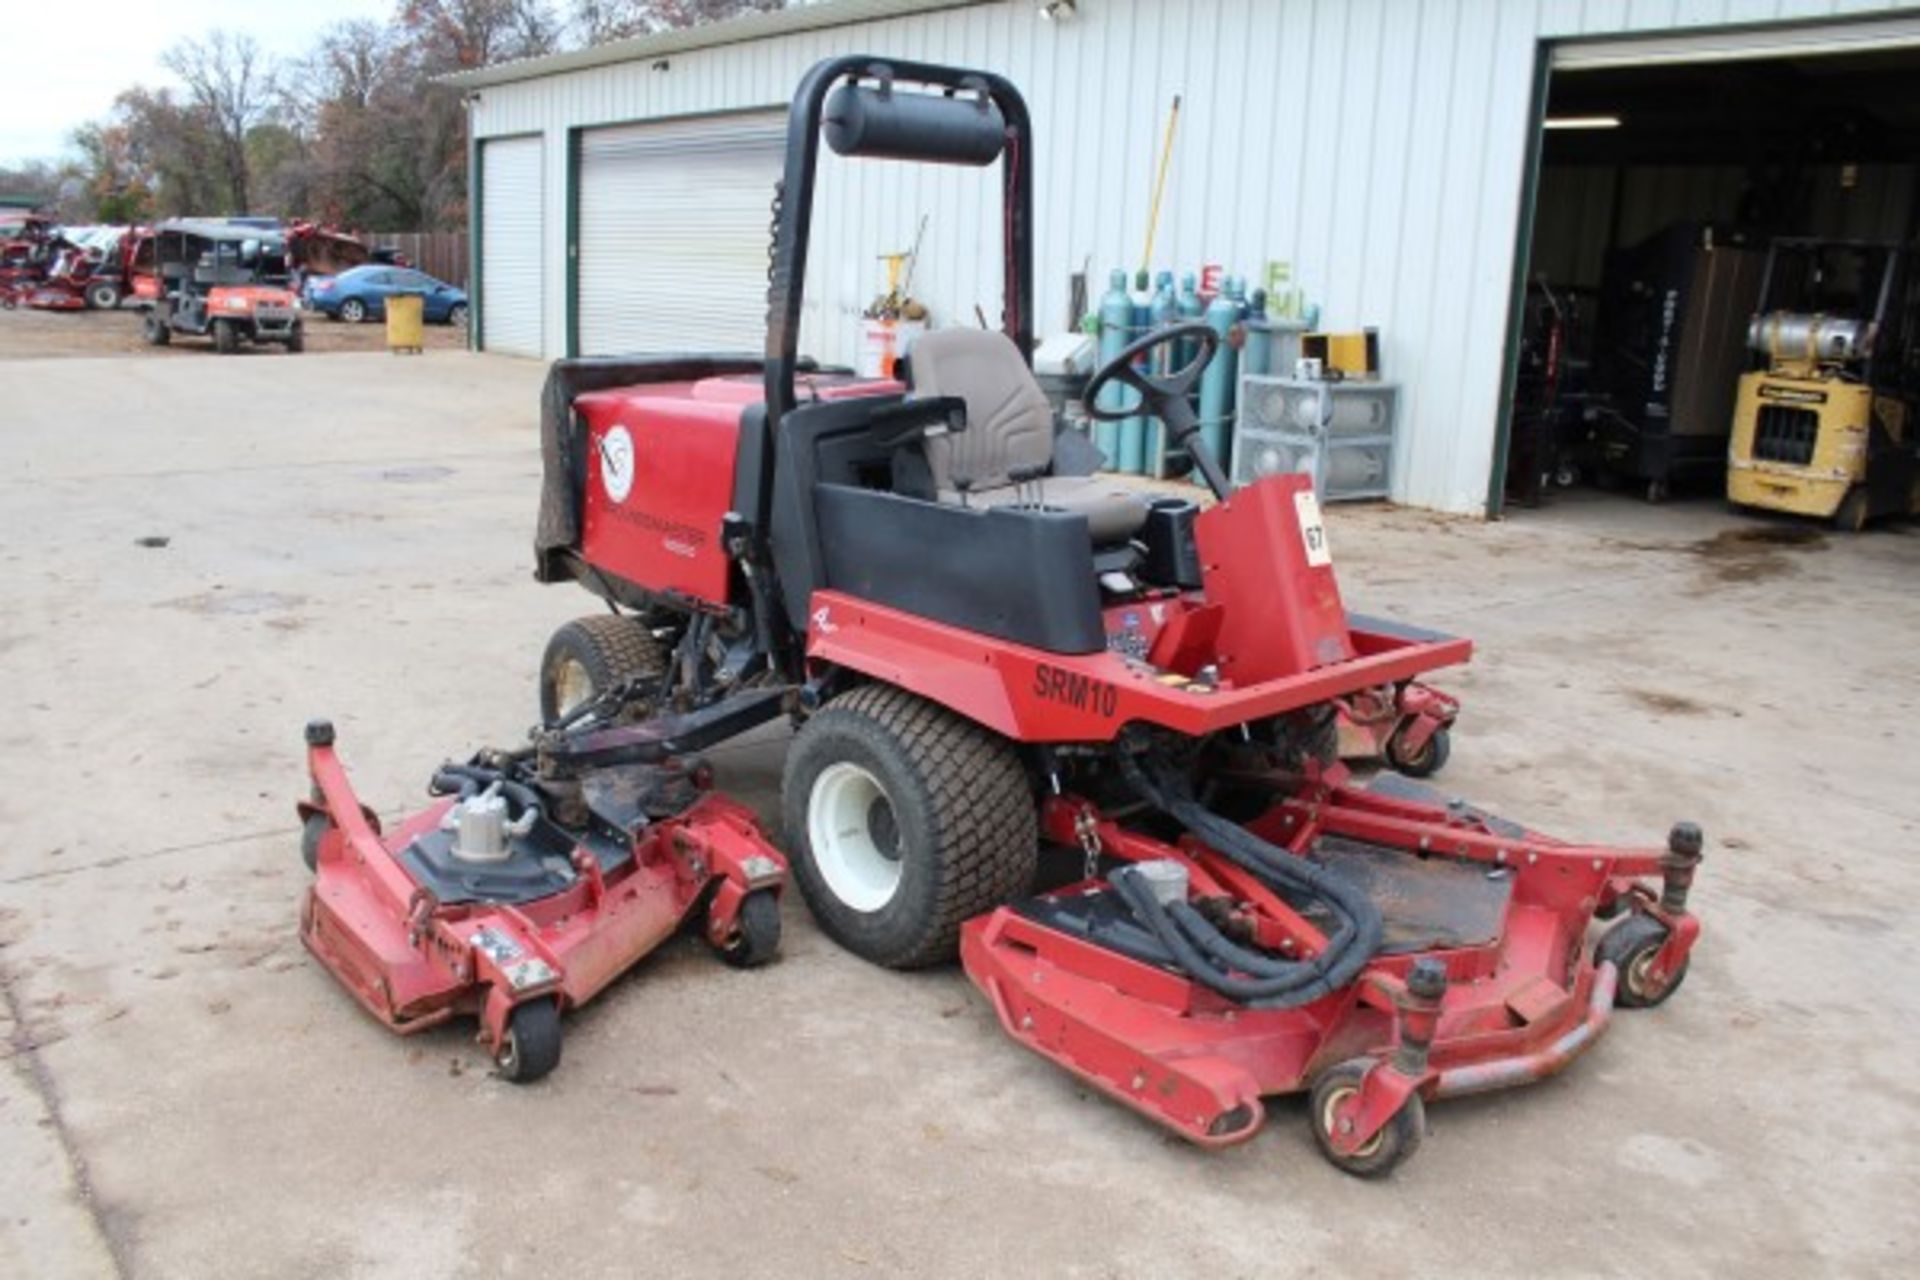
(1631, 945)
(588, 656)
(1424, 762)
(903, 820)
(297, 339)
(1386, 1150)
(226, 339)
(103, 295)
(457, 315)
(153, 328)
(757, 938)
(531, 1047)
(1851, 515)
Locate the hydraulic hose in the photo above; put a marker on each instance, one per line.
(468, 780)
(1215, 960)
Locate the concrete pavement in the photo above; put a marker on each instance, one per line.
(186, 1094)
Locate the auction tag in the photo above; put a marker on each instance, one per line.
(1313, 530)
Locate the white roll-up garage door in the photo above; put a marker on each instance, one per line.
(512, 241)
(1737, 44)
(673, 233)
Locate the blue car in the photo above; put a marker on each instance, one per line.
(362, 292)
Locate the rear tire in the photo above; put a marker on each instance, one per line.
(353, 311)
(103, 295)
(588, 656)
(903, 820)
(226, 339)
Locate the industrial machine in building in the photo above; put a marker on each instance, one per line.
(1826, 426)
(1669, 345)
(539, 876)
(989, 652)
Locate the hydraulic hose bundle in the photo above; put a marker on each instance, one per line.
(1206, 954)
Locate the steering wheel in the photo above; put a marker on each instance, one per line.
(1165, 397)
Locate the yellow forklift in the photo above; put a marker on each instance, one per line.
(1826, 427)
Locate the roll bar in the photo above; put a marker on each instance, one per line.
(893, 138)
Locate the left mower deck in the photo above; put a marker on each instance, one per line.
(420, 930)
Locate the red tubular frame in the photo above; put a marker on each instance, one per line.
(1515, 1008)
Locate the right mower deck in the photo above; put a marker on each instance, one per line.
(1483, 979)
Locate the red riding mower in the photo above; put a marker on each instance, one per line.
(990, 650)
(540, 877)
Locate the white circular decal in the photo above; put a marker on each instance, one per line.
(616, 463)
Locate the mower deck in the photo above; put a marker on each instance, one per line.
(1503, 912)
(419, 935)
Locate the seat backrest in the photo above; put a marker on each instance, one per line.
(1009, 422)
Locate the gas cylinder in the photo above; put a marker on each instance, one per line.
(1187, 307)
(1216, 384)
(1116, 319)
(1161, 309)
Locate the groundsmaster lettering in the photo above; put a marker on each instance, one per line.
(1073, 689)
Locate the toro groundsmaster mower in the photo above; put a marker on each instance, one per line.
(990, 651)
(539, 876)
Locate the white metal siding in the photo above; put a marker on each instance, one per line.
(1378, 146)
(513, 245)
(673, 234)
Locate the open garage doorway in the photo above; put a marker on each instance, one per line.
(1667, 172)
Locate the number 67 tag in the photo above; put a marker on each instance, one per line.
(1313, 530)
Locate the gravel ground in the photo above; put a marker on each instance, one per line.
(26, 334)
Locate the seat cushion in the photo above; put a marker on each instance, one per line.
(1009, 422)
(1114, 512)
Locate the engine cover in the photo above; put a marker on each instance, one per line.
(659, 478)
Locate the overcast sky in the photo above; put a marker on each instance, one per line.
(66, 64)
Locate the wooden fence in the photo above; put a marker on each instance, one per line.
(441, 254)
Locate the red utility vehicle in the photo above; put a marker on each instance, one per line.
(990, 650)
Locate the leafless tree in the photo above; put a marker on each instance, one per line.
(599, 21)
(229, 81)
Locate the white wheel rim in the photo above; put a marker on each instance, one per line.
(572, 686)
(841, 810)
(1329, 1121)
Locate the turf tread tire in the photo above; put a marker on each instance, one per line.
(611, 646)
(976, 798)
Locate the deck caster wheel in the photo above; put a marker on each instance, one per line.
(1658, 492)
(1386, 1150)
(757, 939)
(1631, 945)
(903, 820)
(312, 831)
(590, 655)
(1427, 760)
(531, 1046)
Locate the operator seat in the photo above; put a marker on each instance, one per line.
(1009, 431)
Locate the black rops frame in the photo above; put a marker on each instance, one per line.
(794, 219)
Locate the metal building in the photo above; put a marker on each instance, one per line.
(1385, 150)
